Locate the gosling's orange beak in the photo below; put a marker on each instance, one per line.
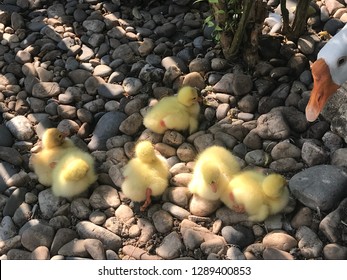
(213, 186)
(323, 88)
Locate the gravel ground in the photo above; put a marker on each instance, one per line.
(93, 69)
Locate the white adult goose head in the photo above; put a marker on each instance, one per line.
(329, 72)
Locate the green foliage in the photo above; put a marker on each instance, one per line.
(232, 15)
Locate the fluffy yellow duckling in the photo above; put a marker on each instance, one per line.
(179, 112)
(256, 194)
(73, 174)
(213, 170)
(145, 175)
(53, 146)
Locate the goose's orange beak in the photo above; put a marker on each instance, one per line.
(323, 88)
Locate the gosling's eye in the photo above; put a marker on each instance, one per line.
(341, 61)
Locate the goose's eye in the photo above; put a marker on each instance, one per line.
(341, 61)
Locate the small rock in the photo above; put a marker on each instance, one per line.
(309, 244)
(171, 246)
(20, 127)
(37, 235)
(331, 223)
(62, 236)
(215, 245)
(163, 221)
(238, 235)
(284, 149)
(15, 200)
(88, 230)
(48, 203)
(235, 253)
(202, 207)
(40, 253)
(104, 197)
(313, 154)
(304, 217)
(178, 212)
(280, 240)
(319, 186)
(107, 127)
(276, 254)
(335, 251)
(272, 126)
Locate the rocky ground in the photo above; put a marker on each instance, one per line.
(92, 69)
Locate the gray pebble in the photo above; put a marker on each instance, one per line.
(235, 253)
(40, 253)
(15, 200)
(88, 230)
(163, 221)
(238, 235)
(319, 186)
(37, 235)
(313, 154)
(309, 244)
(7, 228)
(280, 240)
(107, 127)
(178, 212)
(171, 246)
(80, 208)
(334, 251)
(62, 237)
(48, 203)
(74, 248)
(20, 127)
(330, 225)
(202, 207)
(104, 197)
